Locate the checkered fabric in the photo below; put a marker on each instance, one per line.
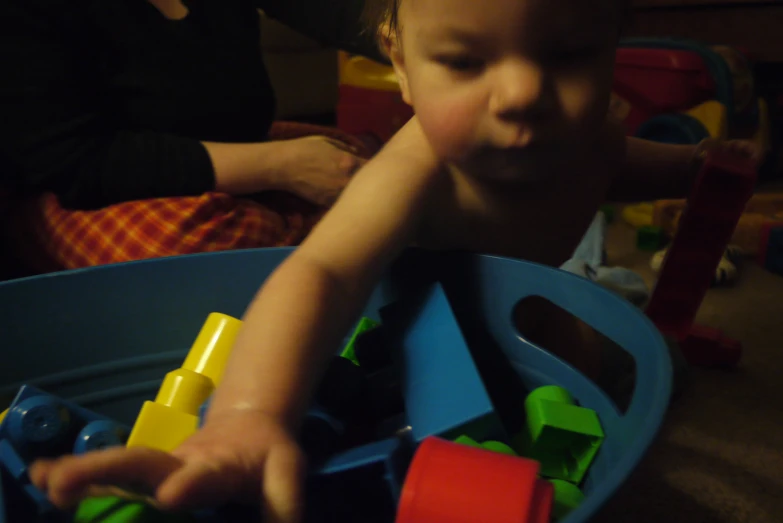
(44, 237)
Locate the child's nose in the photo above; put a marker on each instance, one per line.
(519, 90)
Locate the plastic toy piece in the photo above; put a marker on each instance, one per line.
(118, 510)
(567, 498)
(17, 468)
(560, 435)
(174, 415)
(494, 446)
(364, 325)
(449, 482)
(638, 215)
(361, 484)
(443, 390)
(771, 247)
(343, 390)
(713, 115)
(42, 425)
(649, 238)
(710, 347)
(609, 213)
(723, 187)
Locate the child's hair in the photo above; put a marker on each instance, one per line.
(379, 13)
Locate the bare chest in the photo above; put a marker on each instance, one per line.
(540, 225)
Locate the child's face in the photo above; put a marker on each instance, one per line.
(503, 84)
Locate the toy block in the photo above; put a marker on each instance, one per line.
(443, 391)
(361, 484)
(113, 509)
(162, 427)
(724, 185)
(609, 213)
(449, 482)
(650, 238)
(562, 436)
(42, 425)
(567, 497)
(343, 390)
(165, 423)
(364, 325)
(494, 446)
(770, 254)
(16, 505)
(17, 469)
(709, 347)
(320, 435)
(372, 350)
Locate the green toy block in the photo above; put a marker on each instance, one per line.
(365, 324)
(609, 212)
(560, 435)
(650, 238)
(113, 509)
(567, 498)
(494, 446)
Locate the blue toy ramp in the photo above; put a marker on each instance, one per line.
(104, 338)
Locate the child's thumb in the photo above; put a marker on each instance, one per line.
(282, 485)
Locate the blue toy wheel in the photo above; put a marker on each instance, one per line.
(673, 128)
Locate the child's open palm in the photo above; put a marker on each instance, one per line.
(242, 456)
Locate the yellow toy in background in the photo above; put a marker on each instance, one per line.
(165, 423)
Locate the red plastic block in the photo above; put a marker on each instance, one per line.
(708, 347)
(658, 81)
(723, 188)
(450, 482)
(378, 113)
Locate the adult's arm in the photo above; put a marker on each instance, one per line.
(335, 23)
(56, 133)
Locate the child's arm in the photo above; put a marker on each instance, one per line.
(303, 310)
(649, 170)
(247, 450)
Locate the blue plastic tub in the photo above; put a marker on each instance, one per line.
(105, 337)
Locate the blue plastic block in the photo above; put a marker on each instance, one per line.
(39, 424)
(42, 425)
(17, 469)
(202, 411)
(3, 513)
(443, 391)
(361, 484)
(774, 261)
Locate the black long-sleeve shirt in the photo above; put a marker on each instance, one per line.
(103, 101)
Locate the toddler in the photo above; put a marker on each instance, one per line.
(510, 153)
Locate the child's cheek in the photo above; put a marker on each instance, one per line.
(450, 126)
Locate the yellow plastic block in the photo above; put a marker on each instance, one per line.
(358, 71)
(161, 427)
(210, 351)
(166, 422)
(714, 116)
(638, 215)
(762, 136)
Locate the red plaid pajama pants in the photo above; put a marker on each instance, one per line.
(44, 237)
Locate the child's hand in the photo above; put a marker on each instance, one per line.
(746, 148)
(243, 456)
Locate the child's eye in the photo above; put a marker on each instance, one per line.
(461, 63)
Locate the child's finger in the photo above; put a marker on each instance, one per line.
(282, 484)
(70, 477)
(199, 484)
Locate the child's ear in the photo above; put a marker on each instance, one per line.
(390, 44)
